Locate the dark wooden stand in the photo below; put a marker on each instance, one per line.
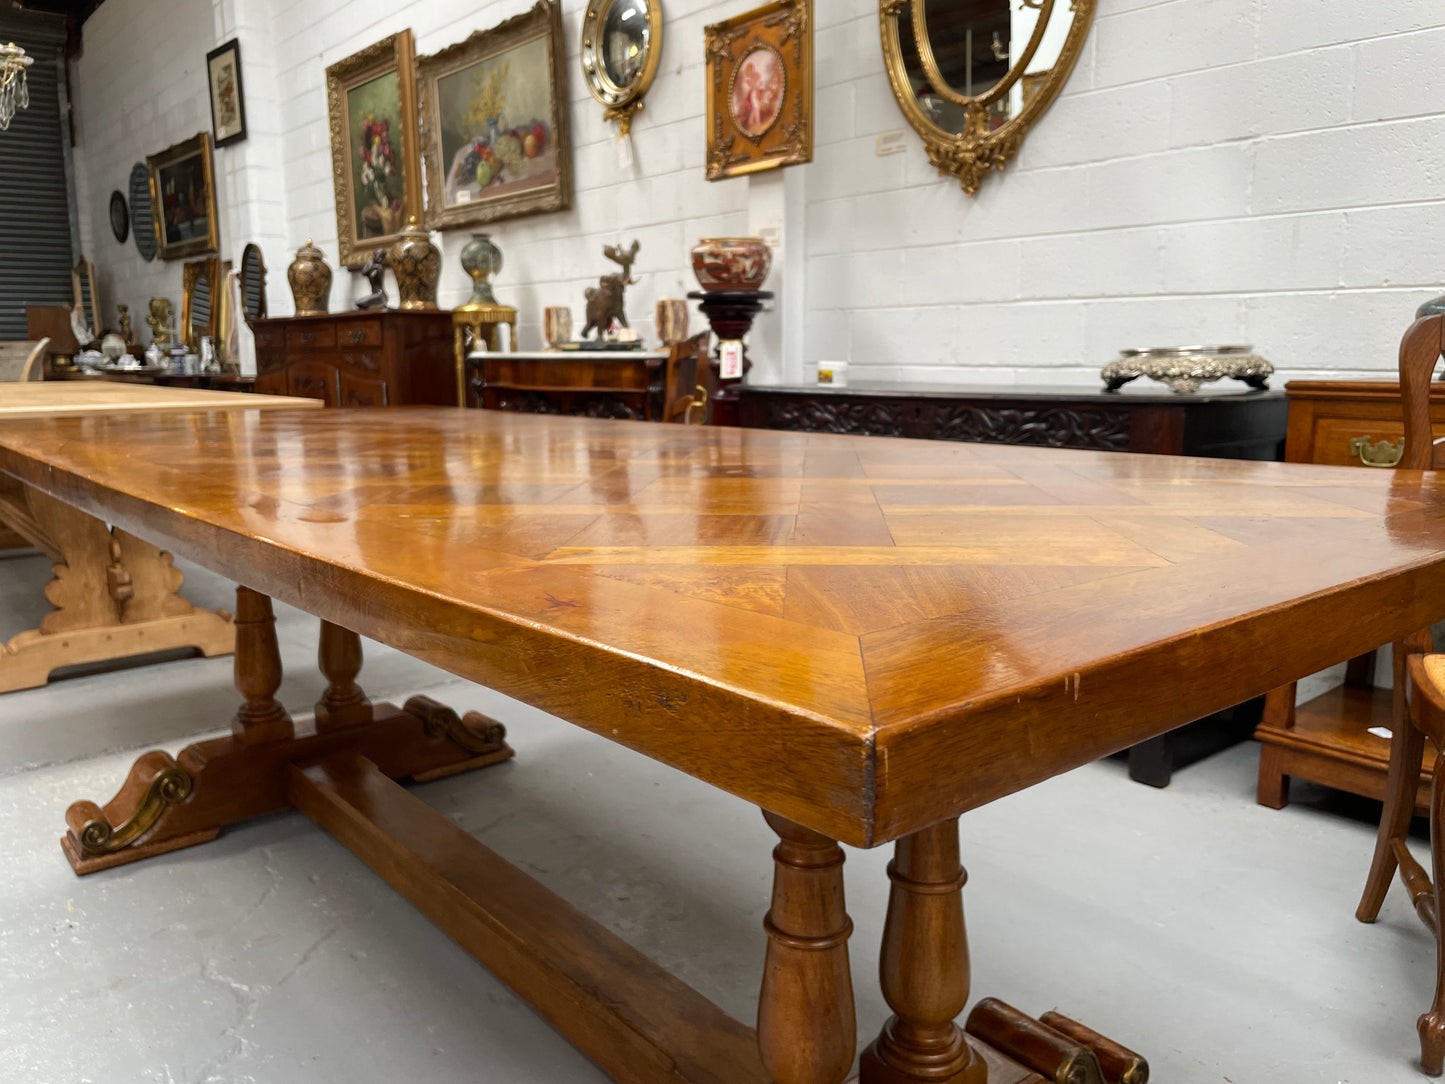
(730, 314)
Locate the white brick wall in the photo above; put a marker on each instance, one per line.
(1268, 171)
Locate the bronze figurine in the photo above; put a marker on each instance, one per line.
(605, 300)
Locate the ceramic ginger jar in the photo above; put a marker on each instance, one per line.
(310, 281)
(417, 265)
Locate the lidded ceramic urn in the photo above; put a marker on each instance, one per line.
(310, 281)
(417, 265)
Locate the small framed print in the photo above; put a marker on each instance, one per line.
(228, 101)
(760, 90)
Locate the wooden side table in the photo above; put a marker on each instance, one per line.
(1327, 740)
(478, 323)
(597, 383)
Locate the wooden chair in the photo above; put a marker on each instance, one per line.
(21, 361)
(684, 386)
(1419, 714)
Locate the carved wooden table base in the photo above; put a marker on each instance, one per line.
(114, 595)
(637, 1021)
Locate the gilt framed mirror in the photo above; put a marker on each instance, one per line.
(973, 76)
(621, 48)
(200, 295)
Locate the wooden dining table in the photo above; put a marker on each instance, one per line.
(113, 594)
(865, 637)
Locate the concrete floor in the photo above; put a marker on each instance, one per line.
(1215, 936)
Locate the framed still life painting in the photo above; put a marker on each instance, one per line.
(371, 103)
(183, 199)
(228, 101)
(760, 90)
(494, 123)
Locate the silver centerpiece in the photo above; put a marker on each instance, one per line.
(1184, 368)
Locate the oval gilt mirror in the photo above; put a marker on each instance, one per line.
(973, 76)
(621, 47)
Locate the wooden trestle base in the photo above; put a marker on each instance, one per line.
(637, 1021)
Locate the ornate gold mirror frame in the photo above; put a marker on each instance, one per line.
(620, 103)
(971, 153)
(200, 304)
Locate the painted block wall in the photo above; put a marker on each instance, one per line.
(1265, 171)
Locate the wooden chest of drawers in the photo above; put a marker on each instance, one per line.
(358, 358)
(1328, 740)
(1345, 422)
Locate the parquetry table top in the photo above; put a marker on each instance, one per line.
(863, 634)
(77, 397)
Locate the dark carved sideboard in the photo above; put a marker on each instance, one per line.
(1230, 423)
(1227, 423)
(363, 358)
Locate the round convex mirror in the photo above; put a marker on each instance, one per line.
(142, 226)
(253, 283)
(621, 48)
(624, 41)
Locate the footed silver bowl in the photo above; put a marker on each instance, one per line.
(1185, 368)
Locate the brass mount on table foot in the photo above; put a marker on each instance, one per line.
(167, 803)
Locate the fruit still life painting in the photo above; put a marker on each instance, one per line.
(497, 139)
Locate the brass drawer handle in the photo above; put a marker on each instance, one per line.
(1378, 453)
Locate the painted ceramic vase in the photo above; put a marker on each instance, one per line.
(672, 320)
(732, 263)
(417, 265)
(310, 281)
(481, 259)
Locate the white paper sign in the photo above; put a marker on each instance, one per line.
(894, 142)
(730, 359)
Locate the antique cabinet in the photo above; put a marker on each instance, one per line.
(1329, 739)
(601, 384)
(364, 358)
(1226, 423)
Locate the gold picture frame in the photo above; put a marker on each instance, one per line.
(982, 144)
(494, 131)
(376, 178)
(760, 90)
(621, 99)
(183, 199)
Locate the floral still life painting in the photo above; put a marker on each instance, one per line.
(375, 166)
(494, 123)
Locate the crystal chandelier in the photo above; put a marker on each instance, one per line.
(14, 92)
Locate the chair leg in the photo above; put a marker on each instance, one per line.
(1407, 756)
(1431, 1025)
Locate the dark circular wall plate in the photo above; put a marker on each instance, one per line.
(119, 216)
(142, 226)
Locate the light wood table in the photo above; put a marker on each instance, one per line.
(866, 637)
(114, 595)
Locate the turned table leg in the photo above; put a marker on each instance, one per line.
(261, 718)
(343, 704)
(924, 967)
(807, 1031)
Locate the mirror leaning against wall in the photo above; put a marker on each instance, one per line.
(973, 76)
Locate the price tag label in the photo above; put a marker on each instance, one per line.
(730, 359)
(624, 151)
